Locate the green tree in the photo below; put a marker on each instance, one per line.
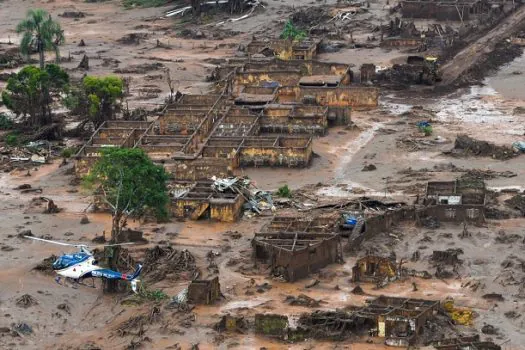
(99, 98)
(130, 184)
(40, 33)
(31, 91)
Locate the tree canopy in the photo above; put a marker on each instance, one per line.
(30, 92)
(129, 183)
(103, 96)
(99, 98)
(40, 33)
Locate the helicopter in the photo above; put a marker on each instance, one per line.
(81, 265)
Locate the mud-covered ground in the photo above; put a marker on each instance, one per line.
(387, 138)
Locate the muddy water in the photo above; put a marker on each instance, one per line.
(508, 82)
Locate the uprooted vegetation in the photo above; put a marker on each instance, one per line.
(161, 262)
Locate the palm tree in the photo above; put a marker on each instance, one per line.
(40, 32)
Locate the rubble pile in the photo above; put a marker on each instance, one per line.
(465, 146)
(302, 300)
(161, 262)
(336, 325)
(517, 202)
(135, 326)
(256, 200)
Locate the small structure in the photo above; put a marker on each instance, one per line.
(199, 200)
(204, 291)
(373, 269)
(296, 255)
(400, 321)
(458, 201)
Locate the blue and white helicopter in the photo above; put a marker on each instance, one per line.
(81, 265)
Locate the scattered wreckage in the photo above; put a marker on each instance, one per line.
(222, 199)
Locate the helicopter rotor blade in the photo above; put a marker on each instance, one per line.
(112, 245)
(55, 242)
(78, 245)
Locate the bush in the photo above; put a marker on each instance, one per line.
(67, 152)
(284, 192)
(11, 139)
(291, 32)
(5, 122)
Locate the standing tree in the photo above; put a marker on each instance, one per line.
(40, 33)
(98, 98)
(130, 184)
(31, 91)
(104, 97)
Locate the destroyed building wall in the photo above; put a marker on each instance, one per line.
(465, 343)
(385, 221)
(202, 168)
(306, 68)
(225, 210)
(261, 78)
(295, 255)
(402, 320)
(181, 122)
(287, 152)
(204, 291)
(456, 201)
(302, 119)
(284, 49)
(199, 201)
(373, 269)
(456, 213)
(359, 97)
(313, 224)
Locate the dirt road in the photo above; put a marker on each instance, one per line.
(467, 57)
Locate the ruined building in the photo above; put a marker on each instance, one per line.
(399, 321)
(374, 269)
(295, 255)
(457, 201)
(265, 114)
(204, 291)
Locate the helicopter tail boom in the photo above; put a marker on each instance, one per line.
(115, 275)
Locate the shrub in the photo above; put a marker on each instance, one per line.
(11, 139)
(284, 191)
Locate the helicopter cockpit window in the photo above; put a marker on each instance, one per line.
(68, 260)
(61, 263)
